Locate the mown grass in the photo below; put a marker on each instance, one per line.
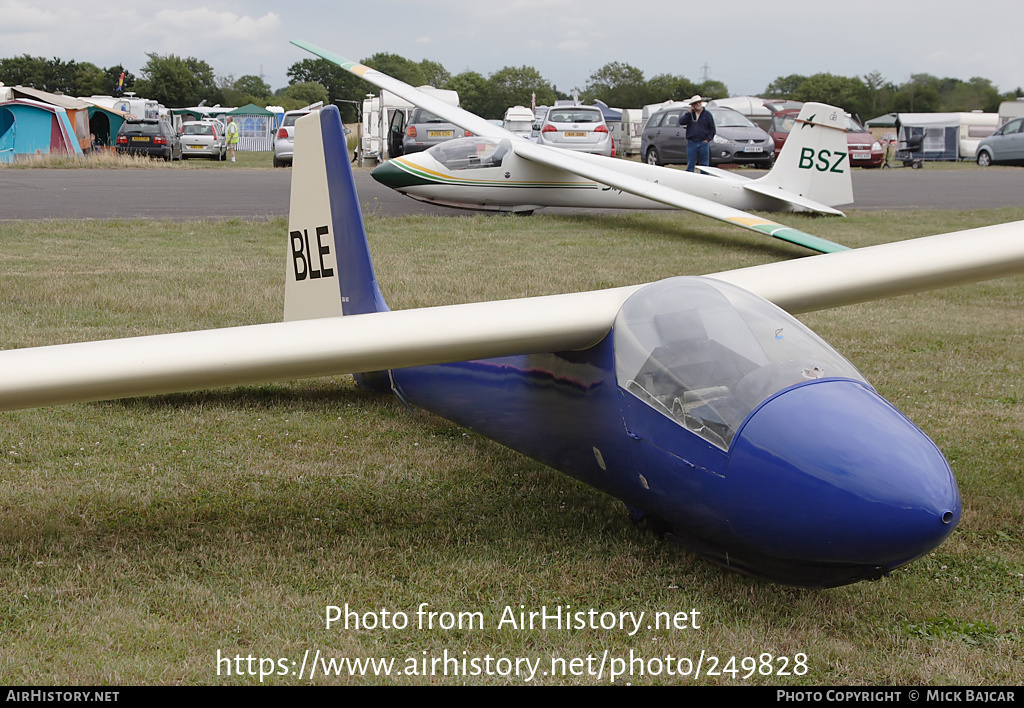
(107, 159)
(139, 538)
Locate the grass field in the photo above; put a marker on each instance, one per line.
(170, 539)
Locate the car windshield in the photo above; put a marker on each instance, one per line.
(144, 128)
(731, 119)
(198, 130)
(853, 126)
(290, 118)
(705, 353)
(783, 124)
(471, 153)
(574, 115)
(426, 117)
(1014, 126)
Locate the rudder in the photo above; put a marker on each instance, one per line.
(329, 271)
(815, 161)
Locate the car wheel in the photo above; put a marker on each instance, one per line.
(652, 157)
(277, 163)
(984, 159)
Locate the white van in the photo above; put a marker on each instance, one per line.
(518, 120)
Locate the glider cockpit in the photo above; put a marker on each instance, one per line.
(471, 153)
(705, 353)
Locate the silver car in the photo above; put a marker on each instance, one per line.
(203, 139)
(284, 139)
(1005, 146)
(425, 130)
(580, 128)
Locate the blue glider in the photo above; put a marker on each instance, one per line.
(700, 402)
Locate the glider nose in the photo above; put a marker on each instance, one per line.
(847, 479)
(392, 175)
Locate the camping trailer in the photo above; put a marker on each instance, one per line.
(946, 136)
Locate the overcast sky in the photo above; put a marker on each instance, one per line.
(742, 43)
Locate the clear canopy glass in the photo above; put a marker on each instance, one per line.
(471, 153)
(705, 353)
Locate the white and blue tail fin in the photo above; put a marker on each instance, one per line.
(329, 271)
(814, 164)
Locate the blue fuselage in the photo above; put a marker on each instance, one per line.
(823, 483)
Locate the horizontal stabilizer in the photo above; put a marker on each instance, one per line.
(796, 199)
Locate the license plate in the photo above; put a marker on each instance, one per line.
(140, 139)
(753, 148)
(575, 134)
(195, 147)
(440, 133)
(861, 156)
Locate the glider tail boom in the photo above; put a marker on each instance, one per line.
(815, 161)
(329, 271)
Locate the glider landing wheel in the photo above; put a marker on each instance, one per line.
(652, 157)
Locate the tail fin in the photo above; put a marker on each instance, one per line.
(329, 271)
(815, 161)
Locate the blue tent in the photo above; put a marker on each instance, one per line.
(29, 127)
(939, 133)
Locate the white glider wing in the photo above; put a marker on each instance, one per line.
(453, 114)
(339, 345)
(567, 161)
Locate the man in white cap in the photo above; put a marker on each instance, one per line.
(700, 131)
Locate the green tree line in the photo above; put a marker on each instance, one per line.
(872, 95)
(186, 81)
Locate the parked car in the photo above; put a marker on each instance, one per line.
(865, 151)
(737, 139)
(1005, 146)
(781, 126)
(424, 130)
(148, 136)
(579, 128)
(202, 138)
(284, 138)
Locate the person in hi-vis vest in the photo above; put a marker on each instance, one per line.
(232, 136)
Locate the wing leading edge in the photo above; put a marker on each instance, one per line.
(166, 363)
(566, 160)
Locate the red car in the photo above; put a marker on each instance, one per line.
(865, 151)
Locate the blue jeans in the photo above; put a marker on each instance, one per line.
(698, 152)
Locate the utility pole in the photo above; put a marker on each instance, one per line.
(705, 72)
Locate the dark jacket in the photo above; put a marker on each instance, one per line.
(702, 129)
